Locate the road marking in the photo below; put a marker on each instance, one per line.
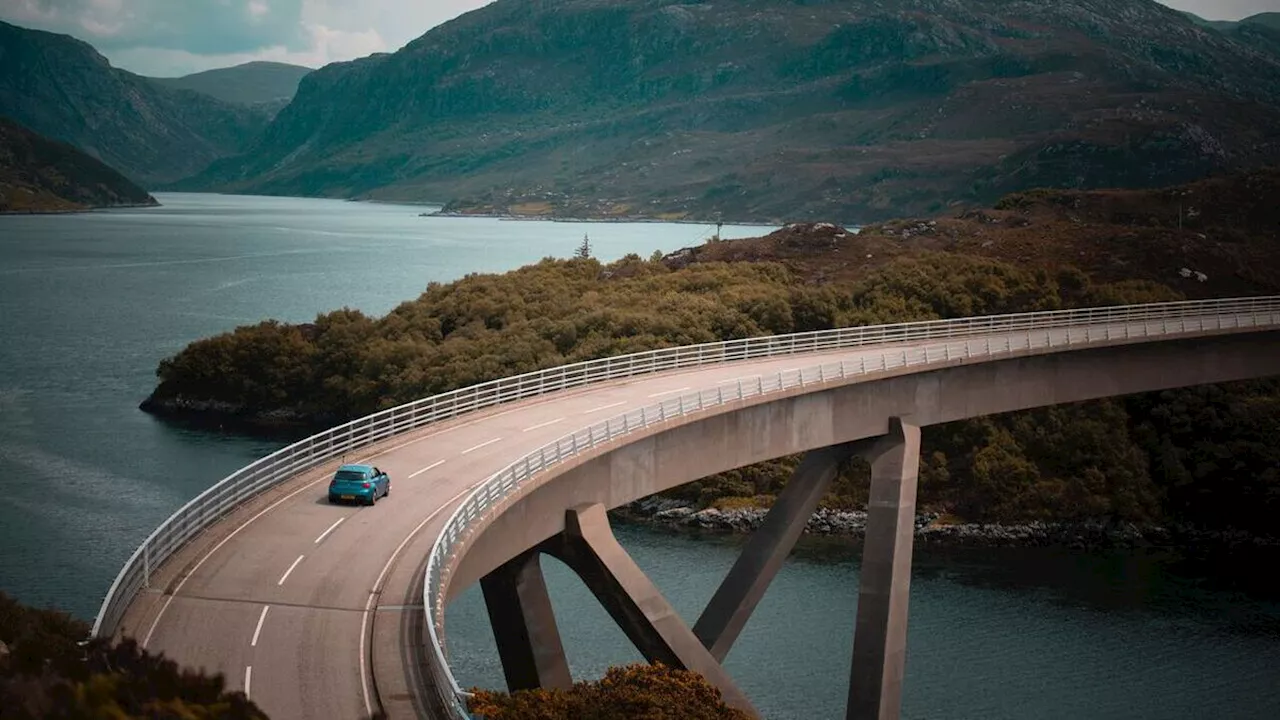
(432, 466)
(325, 534)
(740, 379)
(669, 392)
(605, 407)
(377, 584)
(483, 444)
(169, 600)
(542, 425)
(248, 679)
(285, 576)
(258, 630)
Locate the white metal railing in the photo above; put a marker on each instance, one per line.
(1117, 324)
(208, 507)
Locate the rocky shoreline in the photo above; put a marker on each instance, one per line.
(1099, 534)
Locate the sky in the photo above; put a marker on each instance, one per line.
(167, 38)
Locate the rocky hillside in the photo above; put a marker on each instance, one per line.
(62, 88)
(771, 109)
(266, 85)
(42, 175)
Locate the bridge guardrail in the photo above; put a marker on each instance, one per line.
(505, 483)
(208, 507)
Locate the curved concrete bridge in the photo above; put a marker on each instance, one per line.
(318, 610)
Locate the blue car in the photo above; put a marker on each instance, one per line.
(365, 483)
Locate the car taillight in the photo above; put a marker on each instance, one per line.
(366, 485)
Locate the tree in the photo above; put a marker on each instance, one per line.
(584, 250)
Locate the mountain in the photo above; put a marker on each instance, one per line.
(771, 109)
(42, 175)
(268, 84)
(62, 88)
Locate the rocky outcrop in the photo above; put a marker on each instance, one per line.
(928, 528)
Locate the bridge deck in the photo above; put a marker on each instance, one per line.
(279, 596)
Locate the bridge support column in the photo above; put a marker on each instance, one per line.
(741, 590)
(524, 626)
(590, 549)
(880, 635)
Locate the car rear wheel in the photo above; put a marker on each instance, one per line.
(373, 497)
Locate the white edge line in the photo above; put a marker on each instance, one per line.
(286, 574)
(483, 444)
(542, 425)
(248, 679)
(332, 527)
(258, 630)
(669, 392)
(432, 466)
(147, 640)
(604, 407)
(377, 590)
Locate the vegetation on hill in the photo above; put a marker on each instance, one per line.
(1129, 459)
(63, 89)
(772, 109)
(266, 85)
(41, 175)
(48, 670)
(641, 692)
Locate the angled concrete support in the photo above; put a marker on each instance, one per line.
(589, 548)
(524, 626)
(741, 590)
(880, 635)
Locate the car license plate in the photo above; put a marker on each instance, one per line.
(348, 497)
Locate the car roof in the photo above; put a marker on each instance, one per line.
(357, 468)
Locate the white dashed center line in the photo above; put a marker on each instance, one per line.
(325, 534)
(486, 443)
(669, 392)
(604, 407)
(432, 466)
(248, 679)
(285, 576)
(542, 425)
(258, 630)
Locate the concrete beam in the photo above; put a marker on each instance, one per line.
(880, 635)
(524, 626)
(742, 589)
(590, 549)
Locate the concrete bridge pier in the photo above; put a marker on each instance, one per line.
(880, 635)
(524, 625)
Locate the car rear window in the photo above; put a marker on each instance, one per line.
(348, 475)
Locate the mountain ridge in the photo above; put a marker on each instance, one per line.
(766, 110)
(39, 175)
(262, 84)
(62, 88)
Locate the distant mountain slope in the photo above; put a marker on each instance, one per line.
(256, 83)
(62, 88)
(772, 109)
(1215, 24)
(42, 175)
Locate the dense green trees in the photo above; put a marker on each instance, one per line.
(47, 670)
(1194, 455)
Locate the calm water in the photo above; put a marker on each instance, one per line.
(91, 303)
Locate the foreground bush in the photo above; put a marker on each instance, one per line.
(634, 692)
(46, 672)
